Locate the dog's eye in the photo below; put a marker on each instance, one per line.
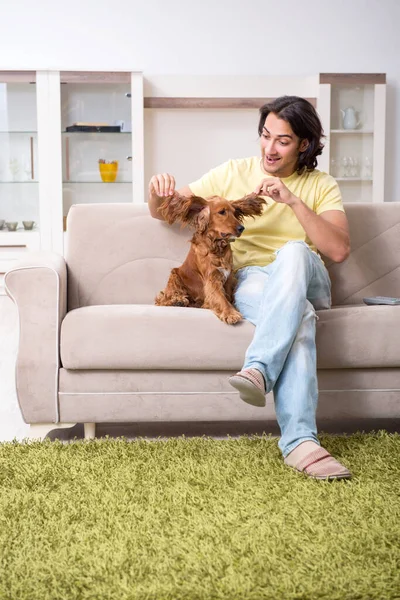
(222, 212)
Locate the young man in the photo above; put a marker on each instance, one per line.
(281, 277)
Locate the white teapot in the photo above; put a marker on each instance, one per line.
(350, 120)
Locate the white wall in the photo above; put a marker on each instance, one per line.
(213, 37)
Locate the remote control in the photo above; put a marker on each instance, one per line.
(381, 300)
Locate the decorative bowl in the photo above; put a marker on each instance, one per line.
(12, 225)
(28, 225)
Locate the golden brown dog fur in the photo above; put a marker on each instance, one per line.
(206, 278)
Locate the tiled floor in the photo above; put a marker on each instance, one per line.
(11, 423)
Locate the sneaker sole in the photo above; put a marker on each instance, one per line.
(249, 393)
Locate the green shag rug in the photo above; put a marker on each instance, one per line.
(197, 518)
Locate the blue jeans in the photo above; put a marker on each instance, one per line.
(280, 300)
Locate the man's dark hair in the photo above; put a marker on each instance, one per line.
(305, 123)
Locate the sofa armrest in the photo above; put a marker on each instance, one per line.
(38, 287)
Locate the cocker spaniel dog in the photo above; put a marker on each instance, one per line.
(206, 278)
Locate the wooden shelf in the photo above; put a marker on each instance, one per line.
(95, 77)
(156, 102)
(18, 76)
(352, 78)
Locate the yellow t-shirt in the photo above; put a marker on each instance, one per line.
(278, 224)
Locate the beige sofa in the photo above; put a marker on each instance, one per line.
(94, 349)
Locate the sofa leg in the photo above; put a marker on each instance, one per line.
(90, 431)
(38, 431)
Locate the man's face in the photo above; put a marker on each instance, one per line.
(280, 147)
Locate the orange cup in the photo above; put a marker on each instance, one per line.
(108, 171)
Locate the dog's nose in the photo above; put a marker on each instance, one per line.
(239, 229)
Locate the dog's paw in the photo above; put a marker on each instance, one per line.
(158, 300)
(179, 301)
(231, 317)
(166, 300)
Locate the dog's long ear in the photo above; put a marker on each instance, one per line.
(249, 206)
(183, 209)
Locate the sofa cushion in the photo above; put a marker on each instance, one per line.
(157, 337)
(137, 336)
(358, 336)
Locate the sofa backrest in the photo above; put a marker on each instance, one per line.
(119, 254)
(373, 267)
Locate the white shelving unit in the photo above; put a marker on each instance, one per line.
(44, 168)
(19, 176)
(354, 156)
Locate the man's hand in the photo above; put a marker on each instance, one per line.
(162, 185)
(274, 188)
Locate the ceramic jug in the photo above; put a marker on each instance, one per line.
(350, 120)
